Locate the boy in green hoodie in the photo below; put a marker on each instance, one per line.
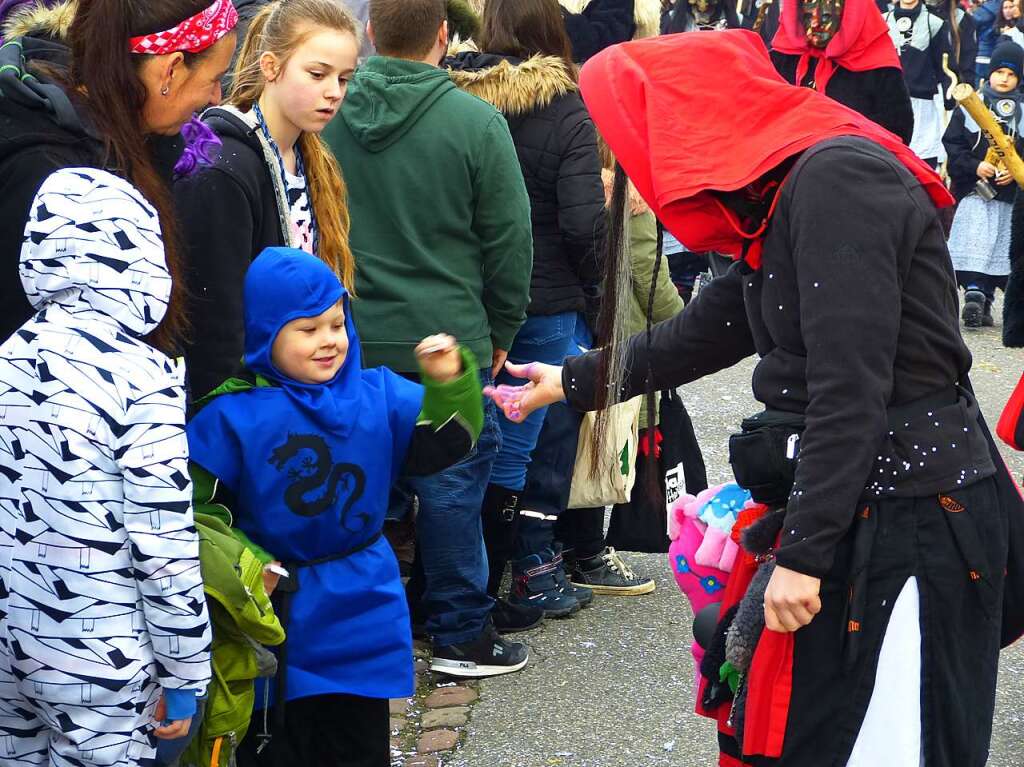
(440, 230)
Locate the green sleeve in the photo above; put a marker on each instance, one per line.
(643, 232)
(209, 497)
(461, 398)
(501, 221)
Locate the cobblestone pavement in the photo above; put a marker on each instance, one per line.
(613, 686)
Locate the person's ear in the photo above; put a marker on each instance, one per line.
(269, 66)
(442, 35)
(174, 65)
(370, 34)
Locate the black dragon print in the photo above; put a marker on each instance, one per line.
(309, 463)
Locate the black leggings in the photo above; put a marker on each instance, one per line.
(336, 730)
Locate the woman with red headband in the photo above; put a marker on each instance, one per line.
(863, 626)
(97, 83)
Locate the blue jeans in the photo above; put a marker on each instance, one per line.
(451, 540)
(542, 338)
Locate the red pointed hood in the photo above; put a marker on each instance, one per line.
(861, 43)
(678, 134)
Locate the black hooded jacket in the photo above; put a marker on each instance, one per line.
(839, 357)
(40, 132)
(228, 214)
(557, 147)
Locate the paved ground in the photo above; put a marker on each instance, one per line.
(613, 687)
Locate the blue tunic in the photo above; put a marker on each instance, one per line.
(311, 467)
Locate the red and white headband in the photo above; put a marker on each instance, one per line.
(193, 35)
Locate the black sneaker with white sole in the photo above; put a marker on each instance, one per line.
(488, 655)
(607, 573)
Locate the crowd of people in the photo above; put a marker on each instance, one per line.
(306, 304)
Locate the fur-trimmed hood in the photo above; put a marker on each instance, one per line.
(40, 19)
(646, 14)
(511, 85)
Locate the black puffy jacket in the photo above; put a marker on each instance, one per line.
(557, 147)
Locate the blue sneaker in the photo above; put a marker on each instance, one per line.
(534, 584)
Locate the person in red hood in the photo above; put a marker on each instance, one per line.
(842, 48)
(882, 613)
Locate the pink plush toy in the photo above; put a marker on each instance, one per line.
(702, 552)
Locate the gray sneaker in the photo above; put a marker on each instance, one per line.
(607, 573)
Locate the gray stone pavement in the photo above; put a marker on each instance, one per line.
(613, 686)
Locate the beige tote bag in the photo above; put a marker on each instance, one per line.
(613, 482)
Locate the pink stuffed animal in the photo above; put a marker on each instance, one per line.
(702, 552)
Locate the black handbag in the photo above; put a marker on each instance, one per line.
(763, 454)
(642, 524)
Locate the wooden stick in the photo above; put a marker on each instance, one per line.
(1002, 144)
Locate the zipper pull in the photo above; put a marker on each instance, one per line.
(792, 445)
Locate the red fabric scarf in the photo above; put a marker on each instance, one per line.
(193, 35)
(678, 136)
(861, 43)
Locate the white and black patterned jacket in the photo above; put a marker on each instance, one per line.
(98, 542)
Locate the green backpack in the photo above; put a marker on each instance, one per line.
(243, 621)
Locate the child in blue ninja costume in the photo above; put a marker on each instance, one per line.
(303, 451)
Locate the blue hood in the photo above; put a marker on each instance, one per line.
(283, 284)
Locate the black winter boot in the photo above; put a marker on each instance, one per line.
(987, 320)
(974, 308)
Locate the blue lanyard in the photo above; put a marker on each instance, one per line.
(300, 171)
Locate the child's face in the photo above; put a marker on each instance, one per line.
(310, 90)
(1003, 80)
(311, 350)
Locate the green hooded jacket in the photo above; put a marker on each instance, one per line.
(440, 215)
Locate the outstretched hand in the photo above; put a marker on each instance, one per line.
(543, 388)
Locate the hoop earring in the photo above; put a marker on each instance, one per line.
(165, 90)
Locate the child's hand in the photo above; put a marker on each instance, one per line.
(986, 170)
(1003, 178)
(271, 576)
(439, 358)
(169, 730)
